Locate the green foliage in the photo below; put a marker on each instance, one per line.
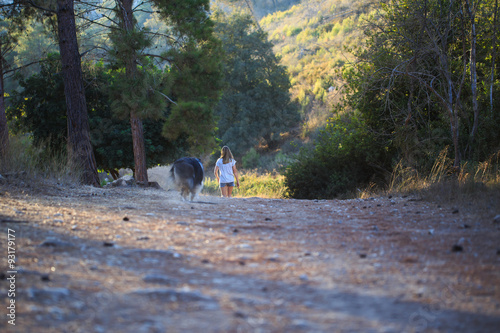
(197, 79)
(345, 157)
(401, 87)
(251, 159)
(186, 90)
(186, 17)
(317, 52)
(293, 31)
(256, 103)
(40, 109)
(194, 120)
(141, 94)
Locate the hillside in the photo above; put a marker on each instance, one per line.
(312, 37)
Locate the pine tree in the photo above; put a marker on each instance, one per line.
(79, 147)
(256, 104)
(187, 88)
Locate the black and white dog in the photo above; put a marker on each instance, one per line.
(188, 174)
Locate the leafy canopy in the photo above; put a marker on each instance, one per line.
(256, 103)
(40, 109)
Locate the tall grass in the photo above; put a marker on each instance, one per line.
(37, 162)
(252, 184)
(477, 184)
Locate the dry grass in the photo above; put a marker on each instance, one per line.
(252, 184)
(37, 164)
(475, 186)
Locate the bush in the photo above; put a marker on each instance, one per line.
(345, 157)
(293, 31)
(251, 159)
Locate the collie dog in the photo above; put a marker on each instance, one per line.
(188, 174)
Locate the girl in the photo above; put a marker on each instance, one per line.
(226, 173)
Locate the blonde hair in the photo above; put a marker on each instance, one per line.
(226, 155)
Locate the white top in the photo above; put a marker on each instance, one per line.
(226, 171)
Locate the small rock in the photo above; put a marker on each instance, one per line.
(155, 185)
(239, 314)
(496, 219)
(124, 181)
(181, 223)
(457, 248)
(54, 242)
(362, 255)
(49, 295)
(274, 258)
(431, 231)
(147, 253)
(125, 218)
(173, 295)
(245, 246)
(498, 252)
(108, 244)
(455, 211)
(299, 325)
(143, 238)
(160, 279)
(303, 277)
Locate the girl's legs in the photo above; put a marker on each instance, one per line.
(229, 190)
(224, 191)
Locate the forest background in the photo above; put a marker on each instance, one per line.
(336, 96)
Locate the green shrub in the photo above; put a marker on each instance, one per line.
(251, 159)
(345, 157)
(293, 31)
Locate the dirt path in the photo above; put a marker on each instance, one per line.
(140, 260)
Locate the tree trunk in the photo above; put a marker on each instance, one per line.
(80, 151)
(471, 9)
(4, 130)
(493, 54)
(141, 172)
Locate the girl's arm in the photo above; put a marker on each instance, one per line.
(235, 172)
(216, 173)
